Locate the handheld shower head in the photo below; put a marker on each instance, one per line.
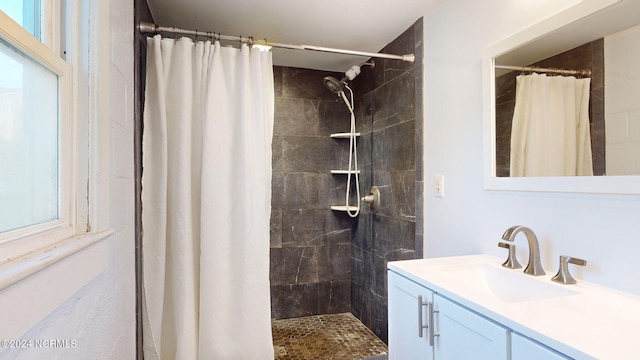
(336, 86)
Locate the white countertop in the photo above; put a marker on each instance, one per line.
(583, 321)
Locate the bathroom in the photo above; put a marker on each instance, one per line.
(600, 228)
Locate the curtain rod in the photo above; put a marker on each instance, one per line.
(557, 71)
(150, 28)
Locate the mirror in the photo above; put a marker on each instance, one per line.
(585, 36)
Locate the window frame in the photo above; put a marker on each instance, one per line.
(60, 260)
(19, 242)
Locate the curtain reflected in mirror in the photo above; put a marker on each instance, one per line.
(588, 56)
(550, 129)
(613, 108)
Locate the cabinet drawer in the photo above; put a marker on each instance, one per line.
(523, 348)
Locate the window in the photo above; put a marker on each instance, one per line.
(59, 161)
(28, 141)
(36, 135)
(27, 13)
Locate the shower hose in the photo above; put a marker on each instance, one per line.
(353, 156)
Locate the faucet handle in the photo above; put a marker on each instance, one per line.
(564, 276)
(512, 261)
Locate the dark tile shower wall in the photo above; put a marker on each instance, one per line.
(587, 56)
(142, 13)
(390, 117)
(323, 261)
(310, 244)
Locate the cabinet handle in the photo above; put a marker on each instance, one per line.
(420, 305)
(432, 333)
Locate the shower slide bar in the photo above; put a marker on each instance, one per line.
(150, 28)
(546, 70)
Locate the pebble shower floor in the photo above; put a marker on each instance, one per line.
(324, 337)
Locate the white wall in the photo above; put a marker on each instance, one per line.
(100, 318)
(622, 101)
(603, 229)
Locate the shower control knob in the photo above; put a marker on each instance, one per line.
(373, 199)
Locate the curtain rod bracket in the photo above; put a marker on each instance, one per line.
(148, 28)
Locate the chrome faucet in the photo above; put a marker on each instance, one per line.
(534, 267)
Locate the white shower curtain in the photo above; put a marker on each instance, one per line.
(206, 197)
(550, 132)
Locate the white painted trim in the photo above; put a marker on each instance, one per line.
(100, 142)
(41, 282)
(51, 24)
(88, 50)
(17, 270)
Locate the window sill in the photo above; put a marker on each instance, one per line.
(32, 286)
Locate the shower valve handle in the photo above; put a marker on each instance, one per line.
(373, 199)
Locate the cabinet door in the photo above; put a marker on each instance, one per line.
(405, 342)
(463, 334)
(525, 349)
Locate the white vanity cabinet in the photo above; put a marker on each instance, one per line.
(407, 315)
(425, 325)
(482, 310)
(525, 349)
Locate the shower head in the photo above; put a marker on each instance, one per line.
(336, 86)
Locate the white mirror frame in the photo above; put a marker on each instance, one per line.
(629, 185)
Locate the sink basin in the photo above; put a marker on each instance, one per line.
(507, 285)
(512, 286)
